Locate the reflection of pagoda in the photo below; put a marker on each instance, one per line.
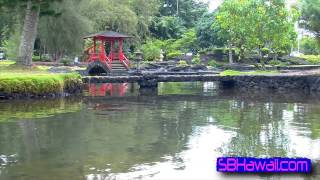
(108, 88)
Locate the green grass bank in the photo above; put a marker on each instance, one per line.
(17, 82)
(238, 73)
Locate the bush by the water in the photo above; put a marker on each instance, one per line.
(196, 60)
(182, 63)
(37, 83)
(313, 59)
(310, 45)
(278, 63)
(174, 54)
(214, 63)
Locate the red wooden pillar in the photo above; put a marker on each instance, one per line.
(102, 54)
(94, 45)
(111, 50)
(120, 50)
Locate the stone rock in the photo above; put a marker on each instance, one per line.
(180, 68)
(199, 67)
(60, 70)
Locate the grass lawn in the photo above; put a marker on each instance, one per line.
(238, 73)
(33, 80)
(313, 59)
(6, 63)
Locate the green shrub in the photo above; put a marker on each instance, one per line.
(196, 59)
(274, 63)
(151, 50)
(182, 63)
(313, 59)
(310, 46)
(214, 63)
(278, 63)
(174, 54)
(185, 44)
(265, 51)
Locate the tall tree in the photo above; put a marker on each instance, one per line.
(256, 24)
(62, 34)
(144, 10)
(177, 16)
(208, 32)
(8, 20)
(188, 10)
(32, 9)
(167, 27)
(311, 16)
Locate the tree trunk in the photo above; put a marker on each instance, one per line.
(29, 34)
(230, 53)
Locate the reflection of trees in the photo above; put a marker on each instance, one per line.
(30, 109)
(180, 88)
(259, 129)
(307, 116)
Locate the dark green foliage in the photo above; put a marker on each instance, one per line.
(309, 45)
(151, 50)
(167, 27)
(214, 63)
(172, 21)
(207, 32)
(44, 5)
(196, 59)
(174, 54)
(311, 16)
(189, 10)
(63, 35)
(182, 63)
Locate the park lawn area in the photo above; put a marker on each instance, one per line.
(313, 59)
(4, 63)
(19, 80)
(238, 73)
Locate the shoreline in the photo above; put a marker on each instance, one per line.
(51, 86)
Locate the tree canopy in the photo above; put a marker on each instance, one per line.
(245, 26)
(256, 24)
(62, 35)
(311, 16)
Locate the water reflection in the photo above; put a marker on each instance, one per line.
(35, 109)
(158, 137)
(108, 89)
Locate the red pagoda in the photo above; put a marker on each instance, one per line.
(101, 60)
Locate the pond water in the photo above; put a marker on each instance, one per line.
(115, 132)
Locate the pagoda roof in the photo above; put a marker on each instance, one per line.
(108, 34)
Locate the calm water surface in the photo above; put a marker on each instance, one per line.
(115, 132)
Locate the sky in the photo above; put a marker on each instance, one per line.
(213, 4)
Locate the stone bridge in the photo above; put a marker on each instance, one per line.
(280, 82)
